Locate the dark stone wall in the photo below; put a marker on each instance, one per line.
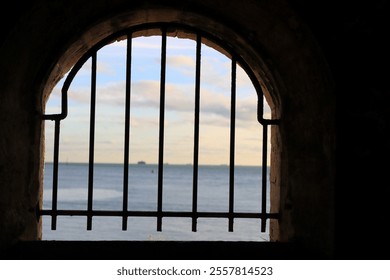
(317, 54)
(353, 37)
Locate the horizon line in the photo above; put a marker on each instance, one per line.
(165, 163)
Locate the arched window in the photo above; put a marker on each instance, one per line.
(170, 134)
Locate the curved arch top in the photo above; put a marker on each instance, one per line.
(173, 30)
(217, 34)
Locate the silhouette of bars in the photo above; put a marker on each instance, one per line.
(90, 212)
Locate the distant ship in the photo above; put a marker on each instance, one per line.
(141, 162)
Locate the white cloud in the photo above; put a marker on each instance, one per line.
(180, 98)
(105, 69)
(145, 101)
(153, 44)
(181, 61)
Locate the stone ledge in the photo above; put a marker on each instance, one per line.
(149, 250)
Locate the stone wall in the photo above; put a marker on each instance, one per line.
(305, 60)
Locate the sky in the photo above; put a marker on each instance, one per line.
(145, 102)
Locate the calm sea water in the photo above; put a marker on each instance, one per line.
(213, 188)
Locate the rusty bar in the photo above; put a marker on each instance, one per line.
(178, 214)
(55, 174)
(127, 132)
(196, 133)
(264, 178)
(232, 142)
(91, 141)
(161, 132)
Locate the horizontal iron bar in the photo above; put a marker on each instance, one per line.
(113, 213)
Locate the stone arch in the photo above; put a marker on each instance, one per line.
(132, 19)
(124, 20)
(271, 38)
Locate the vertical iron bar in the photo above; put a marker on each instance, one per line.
(260, 107)
(264, 179)
(55, 174)
(232, 143)
(127, 133)
(91, 141)
(196, 134)
(161, 132)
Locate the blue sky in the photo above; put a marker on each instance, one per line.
(145, 90)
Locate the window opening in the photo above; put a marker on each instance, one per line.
(154, 105)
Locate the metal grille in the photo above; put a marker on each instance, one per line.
(90, 212)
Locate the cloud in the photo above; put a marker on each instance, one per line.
(243, 81)
(179, 98)
(144, 122)
(154, 43)
(181, 61)
(216, 74)
(215, 104)
(105, 68)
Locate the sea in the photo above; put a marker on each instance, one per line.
(213, 195)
